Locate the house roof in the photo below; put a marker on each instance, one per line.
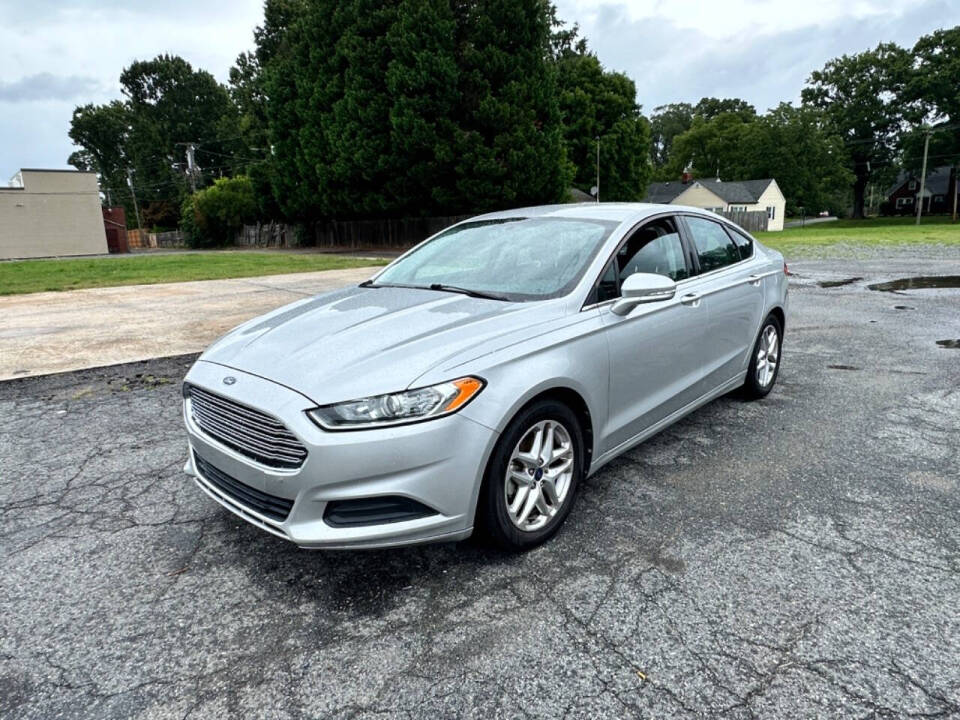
(743, 191)
(937, 182)
(577, 195)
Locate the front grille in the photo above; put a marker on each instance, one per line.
(248, 431)
(271, 506)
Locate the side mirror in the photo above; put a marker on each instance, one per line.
(642, 288)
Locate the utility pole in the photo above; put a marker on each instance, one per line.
(598, 168)
(923, 174)
(136, 208)
(956, 188)
(191, 166)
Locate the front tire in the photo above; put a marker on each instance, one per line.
(764, 360)
(532, 477)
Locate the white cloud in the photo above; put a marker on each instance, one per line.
(47, 86)
(84, 45)
(760, 51)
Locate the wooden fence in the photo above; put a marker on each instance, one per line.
(141, 240)
(347, 234)
(749, 220)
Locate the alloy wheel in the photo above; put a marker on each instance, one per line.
(767, 356)
(538, 475)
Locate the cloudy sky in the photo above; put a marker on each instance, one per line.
(58, 54)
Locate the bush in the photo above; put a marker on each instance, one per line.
(211, 217)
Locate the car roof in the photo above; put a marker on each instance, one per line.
(613, 211)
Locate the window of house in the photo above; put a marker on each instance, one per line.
(653, 248)
(771, 212)
(715, 248)
(912, 185)
(938, 198)
(904, 201)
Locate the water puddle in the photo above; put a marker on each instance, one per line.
(838, 283)
(924, 282)
(843, 367)
(949, 344)
(903, 307)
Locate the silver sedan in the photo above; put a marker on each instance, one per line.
(473, 383)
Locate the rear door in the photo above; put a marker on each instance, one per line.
(731, 290)
(655, 360)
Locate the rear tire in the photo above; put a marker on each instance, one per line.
(532, 476)
(764, 360)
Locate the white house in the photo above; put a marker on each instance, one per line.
(723, 196)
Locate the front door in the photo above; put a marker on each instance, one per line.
(655, 350)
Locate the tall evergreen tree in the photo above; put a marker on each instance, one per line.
(509, 145)
(423, 84)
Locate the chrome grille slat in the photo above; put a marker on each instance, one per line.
(239, 427)
(238, 409)
(259, 449)
(248, 431)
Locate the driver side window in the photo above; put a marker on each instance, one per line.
(653, 248)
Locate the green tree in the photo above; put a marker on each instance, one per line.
(213, 216)
(859, 96)
(100, 132)
(594, 104)
(167, 104)
(666, 123)
(794, 146)
(171, 104)
(712, 147)
(509, 146)
(710, 107)
(422, 83)
(932, 96)
(413, 106)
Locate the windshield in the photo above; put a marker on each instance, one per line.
(514, 258)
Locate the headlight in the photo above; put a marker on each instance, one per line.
(398, 408)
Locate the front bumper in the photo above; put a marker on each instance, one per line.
(438, 463)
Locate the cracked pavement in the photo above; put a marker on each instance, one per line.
(795, 557)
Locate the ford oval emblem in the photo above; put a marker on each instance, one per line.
(229, 380)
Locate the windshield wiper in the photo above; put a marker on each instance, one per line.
(438, 286)
(467, 291)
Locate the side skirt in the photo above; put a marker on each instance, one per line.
(723, 389)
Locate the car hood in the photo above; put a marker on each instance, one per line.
(359, 342)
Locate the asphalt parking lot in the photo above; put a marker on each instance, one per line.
(796, 557)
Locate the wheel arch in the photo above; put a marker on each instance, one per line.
(573, 399)
(780, 315)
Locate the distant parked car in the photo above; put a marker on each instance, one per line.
(473, 383)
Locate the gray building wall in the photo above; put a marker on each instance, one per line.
(56, 212)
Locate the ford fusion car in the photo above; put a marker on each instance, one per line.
(473, 383)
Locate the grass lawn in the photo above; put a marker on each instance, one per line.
(26, 276)
(872, 232)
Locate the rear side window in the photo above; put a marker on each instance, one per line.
(714, 247)
(743, 241)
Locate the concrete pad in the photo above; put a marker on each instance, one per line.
(50, 332)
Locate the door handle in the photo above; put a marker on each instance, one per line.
(692, 299)
(755, 280)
